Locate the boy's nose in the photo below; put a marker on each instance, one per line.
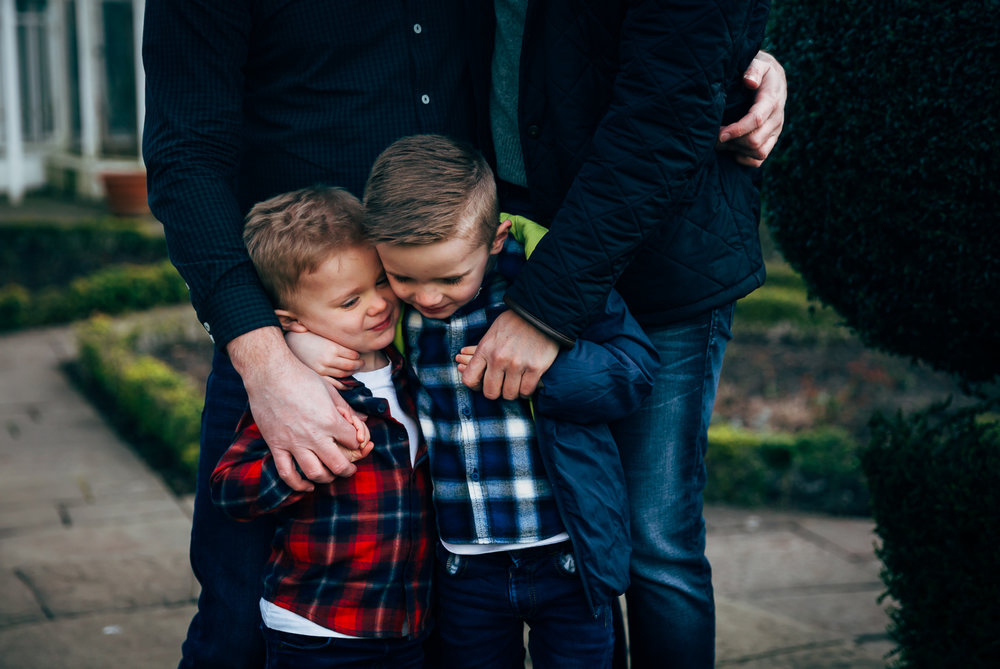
(427, 298)
(377, 306)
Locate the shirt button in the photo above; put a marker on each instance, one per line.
(466, 411)
(533, 131)
(208, 328)
(417, 28)
(382, 407)
(474, 476)
(426, 99)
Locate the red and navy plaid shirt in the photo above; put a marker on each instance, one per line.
(354, 555)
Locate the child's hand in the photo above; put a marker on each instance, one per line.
(364, 436)
(464, 356)
(323, 356)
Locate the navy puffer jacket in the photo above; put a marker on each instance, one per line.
(620, 105)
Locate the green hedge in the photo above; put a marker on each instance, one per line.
(782, 308)
(818, 470)
(935, 487)
(882, 190)
(40, 254)
(111, 290)
(159, 410)
(155, 407)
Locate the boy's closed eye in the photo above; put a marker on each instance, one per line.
(448, 280)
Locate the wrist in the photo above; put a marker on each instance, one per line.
(258, 350)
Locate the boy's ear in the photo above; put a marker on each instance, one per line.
(502, 231)
(289, 321)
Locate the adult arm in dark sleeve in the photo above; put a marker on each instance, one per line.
(193, 55)
(662, 125)
(659, 134)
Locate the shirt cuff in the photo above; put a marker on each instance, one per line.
(563, 340)
(236, 310)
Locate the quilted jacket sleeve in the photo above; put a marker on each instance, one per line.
(675, 61)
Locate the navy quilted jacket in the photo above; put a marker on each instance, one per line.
(619, 108)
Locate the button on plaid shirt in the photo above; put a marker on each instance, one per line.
(355, 554)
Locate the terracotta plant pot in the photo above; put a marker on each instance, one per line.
(126, 193)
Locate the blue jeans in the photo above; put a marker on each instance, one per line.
(671, 608)
(483, 602)
(294, 651)
(227, 557)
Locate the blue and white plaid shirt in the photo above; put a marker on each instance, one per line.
(489, 483)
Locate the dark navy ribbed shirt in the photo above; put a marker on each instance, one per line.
(247, 99)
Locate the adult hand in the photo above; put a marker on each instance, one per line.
(754, 135)
(510, 359)
(296, 415)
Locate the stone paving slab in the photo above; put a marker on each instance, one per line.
(744, 632)
(18, 603)
(152, 538)
(20, 517)
(137, 639)
(140, 507)
(749, 637)
(855, 537)
(826, 656)
(851, 614)
(73, 588)
(779, 560)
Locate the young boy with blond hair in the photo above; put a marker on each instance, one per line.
(348, 579)
(529, 496)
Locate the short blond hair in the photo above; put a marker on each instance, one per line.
(292, 234)
(429, 188)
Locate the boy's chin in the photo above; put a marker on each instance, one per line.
(437, 314)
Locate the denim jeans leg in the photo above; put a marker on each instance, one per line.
(227, 557)
(476, 626)
(671, 606)
(563, 631)
(484, 602)
(294, 651)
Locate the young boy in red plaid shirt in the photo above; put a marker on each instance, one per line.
(348, 579)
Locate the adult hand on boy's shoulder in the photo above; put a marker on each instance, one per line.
(510, 359)
(294, 411)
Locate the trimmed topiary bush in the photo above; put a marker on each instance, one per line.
(883, 190)
(935, 484)
(883, 195)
